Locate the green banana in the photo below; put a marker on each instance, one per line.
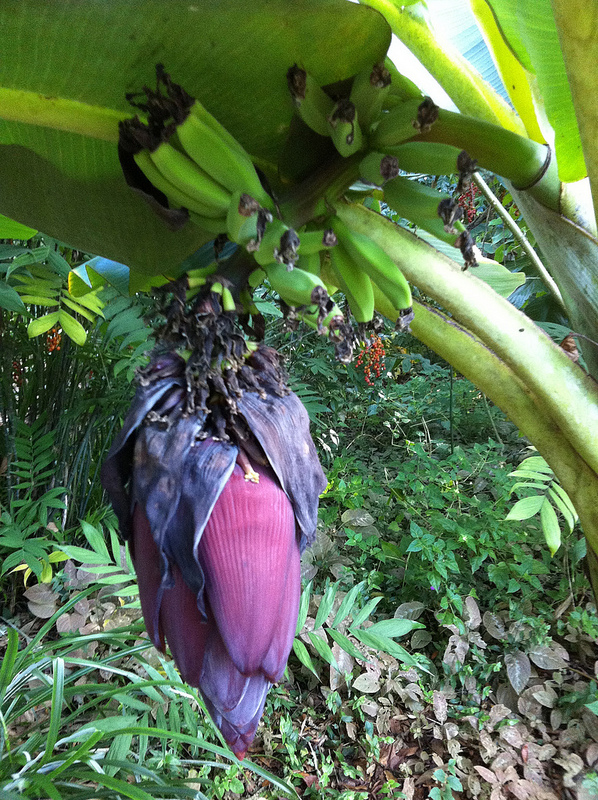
(345, 130)
(176, 197)
(371, 259)
(228, 301)
(215, 225)
(230, 167)
(401, 88)
(255, 278)
(320, 322)
(197, 277)
(355, 284)
(397, 125)
(246, 300)
(429, 158)
(189, 178)
(313, 241)
(310, 263)
(401, 317)
(313, 105)
(195, 285)
(419, 204)
(246, 220)
(377, 168)
(295, 286)
(279, 243)
(368, 93)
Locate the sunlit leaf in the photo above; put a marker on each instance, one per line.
(9, 229)
(42, 324)
(530, 31)
(72, 327)
(527, 507)
(550, 527)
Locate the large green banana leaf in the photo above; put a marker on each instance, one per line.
(63, 176)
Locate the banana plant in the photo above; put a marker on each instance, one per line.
(284, 84)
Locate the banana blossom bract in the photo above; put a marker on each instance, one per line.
(216, 534)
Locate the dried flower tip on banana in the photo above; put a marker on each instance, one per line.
(427, 114)
(450, 212)
(466, 166)
(467, 246)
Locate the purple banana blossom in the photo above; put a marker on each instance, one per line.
(216, 526)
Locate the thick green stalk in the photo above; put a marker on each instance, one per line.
(59, 113)
(480, 365)
(463, 84)
(527, 164)
(563, 390)
(310, 198)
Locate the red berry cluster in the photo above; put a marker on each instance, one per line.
(17, 374)
(372, 358)
(53, 339)
(467, 202)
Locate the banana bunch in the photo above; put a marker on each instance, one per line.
(360, 265)
(188, 156)
(347, 120)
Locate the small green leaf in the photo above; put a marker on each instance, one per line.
(85, 556)
(394, 627)
(526, 508)
(347, 603)
(325, 605)
(9, 298)
(536, 463)
(323, 649)
(78, 308)
(550, 527)
(73, 328)
(563, 507)
(42, 324)
(39, 300)
(385, 644)
(365, 612)
(346, 644)
(96, 540)
(303, 608)
(302, 654)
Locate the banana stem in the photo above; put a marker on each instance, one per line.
(527, 164)
(520, 237)
(60, 114)
(563, 390)
(466, 353)
(310, 199)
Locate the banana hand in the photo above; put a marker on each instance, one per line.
(208, 143)
(372, 260)
(354, 283)
(177, 198)
(184, 173)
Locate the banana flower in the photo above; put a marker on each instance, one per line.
(217, 518)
